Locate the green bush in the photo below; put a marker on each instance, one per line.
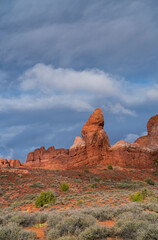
(150, 181)
(110, 167)
(86, 171)
(64, 187)
(45, 198)
(138, 196)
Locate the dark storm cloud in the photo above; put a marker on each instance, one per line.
(116, 36)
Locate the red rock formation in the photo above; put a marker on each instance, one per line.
(88, 150)
(51, 158)
(4, 162)
(14, 163)
(151, 140)
(94, 148)
(96, 139)
(141, 154)
(133, 155)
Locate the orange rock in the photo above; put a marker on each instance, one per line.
(94, 148)
(96, 139)
(4, 162)
(14, 163)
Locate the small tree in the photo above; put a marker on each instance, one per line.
(110, 167)
(45, 198)
(64, 187)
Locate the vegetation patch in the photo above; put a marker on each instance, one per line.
(45, 198)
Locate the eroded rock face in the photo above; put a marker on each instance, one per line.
(151, 140)
(88, 150)
(96, 139)
(14, 163)
(94, 148)
(4, 162)
(131, 155)
(51, 158)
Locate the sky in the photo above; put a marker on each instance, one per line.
(62, 59)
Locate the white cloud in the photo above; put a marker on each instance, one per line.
(48, 79)
(152, 93)
(45, 87)
(31, 102)
(131, 137)
(11, 132)
(118, 109)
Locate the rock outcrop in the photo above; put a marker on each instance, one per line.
(151, 140)
(88, 150)
(13, 163)
(94, 148)
(51, 158)
(96, 139)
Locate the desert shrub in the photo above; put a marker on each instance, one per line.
(129, 184)
(66, 238)
(54, 218)
(149, 216)
(103, 213)
(53, 234)
(45, 198)
(23, 219)
(94, 185)
(151, 233)
(110, 167)
(68, 223)
(41, 217)
(37, 185)
(86, 171)
(150, 181)
(94, 233)
(64, 186)
(75, 224)
(13, 232)
(136, 197)
(151, 207)
(30, 196)
(129, 229)
(97, 179)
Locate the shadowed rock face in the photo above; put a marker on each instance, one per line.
(94, 148)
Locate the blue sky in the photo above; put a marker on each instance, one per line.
(61, 59)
